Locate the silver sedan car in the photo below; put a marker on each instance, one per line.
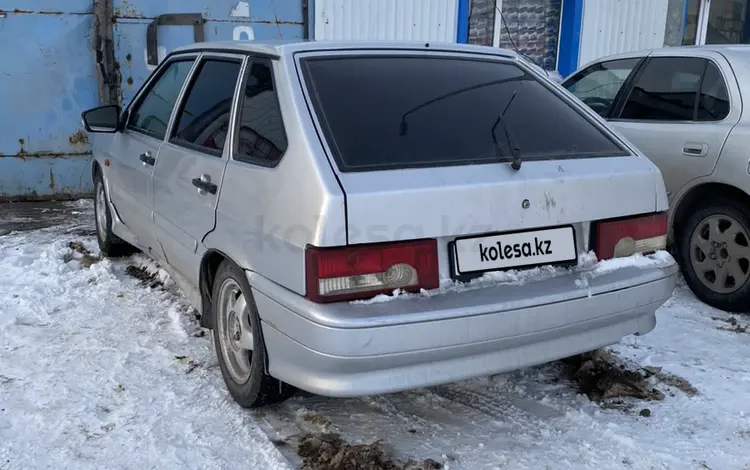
(683, 108)
(363, 218)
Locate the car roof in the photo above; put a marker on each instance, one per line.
(281, 48)
(739, 51)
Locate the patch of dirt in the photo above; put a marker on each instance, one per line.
(191, 364)
(673, 381)
(734, 325)
(330, 452)
(612, 383)
(317, 419)
(141, 273)
(605, 380)
(79, 253)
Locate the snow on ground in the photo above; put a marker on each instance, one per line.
(99, 371)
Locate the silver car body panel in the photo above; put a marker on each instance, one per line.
(262, 218)
(350, 350)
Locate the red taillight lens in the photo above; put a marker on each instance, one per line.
(625, 237)
(357, 272)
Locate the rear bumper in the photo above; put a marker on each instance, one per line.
(362, 349)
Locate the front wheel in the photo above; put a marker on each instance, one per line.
(714, 249)
(109, 244)
(239, 344)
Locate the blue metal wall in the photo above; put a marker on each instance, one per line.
(48, 75)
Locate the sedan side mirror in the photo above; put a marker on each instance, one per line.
(102, 119)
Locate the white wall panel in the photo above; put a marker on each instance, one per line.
(614, 26)
(416, 20)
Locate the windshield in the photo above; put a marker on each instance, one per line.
(390, 112)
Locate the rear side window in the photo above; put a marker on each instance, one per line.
(714, 100)
(261, 139)
(203, 121)
(390, 112)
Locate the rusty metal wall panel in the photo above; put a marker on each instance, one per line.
(47, 78)
(417, 20)
(224, 20)
(614, 26)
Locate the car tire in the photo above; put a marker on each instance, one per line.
(109, 244)
(714, 254)
(234, 314)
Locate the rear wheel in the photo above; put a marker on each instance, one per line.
(110, 244)
(714, 249)
(239, 344)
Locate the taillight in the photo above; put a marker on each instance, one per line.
(361, 271)
(625, 237)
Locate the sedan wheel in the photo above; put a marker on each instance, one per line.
(720, 253)
(715, 255)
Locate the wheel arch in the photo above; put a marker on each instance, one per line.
(210, 263)
(96, 170)
(699, 195)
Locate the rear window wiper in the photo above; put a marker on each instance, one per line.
(403, 125)
(515, 150)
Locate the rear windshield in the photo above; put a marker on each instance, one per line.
(389, 112)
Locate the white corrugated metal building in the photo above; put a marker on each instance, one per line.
(560, 35)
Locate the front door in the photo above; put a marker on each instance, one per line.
(677, 112)
(190, 166)
(134, 150)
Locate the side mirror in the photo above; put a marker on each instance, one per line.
(102, 119)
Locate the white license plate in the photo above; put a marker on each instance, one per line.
(513, 250)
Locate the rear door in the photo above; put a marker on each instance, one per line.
(190, 165)
(134, 150)
(678, 111)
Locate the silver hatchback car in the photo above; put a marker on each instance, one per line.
(293, 190)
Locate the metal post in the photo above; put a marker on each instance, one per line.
(108, 76)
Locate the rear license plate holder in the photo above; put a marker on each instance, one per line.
(473, 256)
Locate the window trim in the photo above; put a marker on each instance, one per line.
(253, 161)
(138, 99)
(639, 60)
(566, 97)
(240, 59)
(694, 120)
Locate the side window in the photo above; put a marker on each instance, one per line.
(597, 86)
(666, 90)
(713, 104)
(151, 115)
(261, 138)
(203, 120)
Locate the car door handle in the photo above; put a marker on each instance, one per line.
(203, 184)
(147, 159)
(695, 149)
